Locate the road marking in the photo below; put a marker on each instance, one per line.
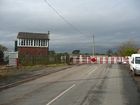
(61, 94)
(92, 71)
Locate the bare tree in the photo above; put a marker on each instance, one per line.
(127, 48)
(3, 48)
(109, 52)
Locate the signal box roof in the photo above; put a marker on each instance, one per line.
(29, 35)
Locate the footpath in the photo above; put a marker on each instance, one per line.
(19, 76)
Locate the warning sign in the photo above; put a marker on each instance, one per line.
(93, 59)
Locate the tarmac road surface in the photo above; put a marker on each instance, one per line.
(91, 84)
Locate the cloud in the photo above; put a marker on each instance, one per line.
(112, 22)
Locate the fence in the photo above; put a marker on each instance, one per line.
(37, 60)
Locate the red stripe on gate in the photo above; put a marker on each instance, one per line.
(89, 60)
(96, 60)
(101, 60)
(112, 60)
(106, 60)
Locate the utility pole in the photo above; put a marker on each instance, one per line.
(93, 46)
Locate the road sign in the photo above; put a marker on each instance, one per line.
(93, 59)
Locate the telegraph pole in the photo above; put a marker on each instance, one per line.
(93, 46)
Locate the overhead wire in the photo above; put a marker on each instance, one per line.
(62, 17)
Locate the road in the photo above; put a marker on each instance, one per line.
(92, 84)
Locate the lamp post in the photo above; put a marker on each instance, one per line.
(93, 46)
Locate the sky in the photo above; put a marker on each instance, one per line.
(110, 21)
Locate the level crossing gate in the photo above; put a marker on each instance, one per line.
(82, 59)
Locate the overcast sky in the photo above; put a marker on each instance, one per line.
(111, 21)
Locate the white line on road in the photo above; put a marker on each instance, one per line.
(91, 71)
(60, 94)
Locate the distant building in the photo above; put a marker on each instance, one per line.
(32, 44)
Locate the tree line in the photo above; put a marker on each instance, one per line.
(124, 49)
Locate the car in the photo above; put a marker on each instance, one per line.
(135, 64)
(124, 62)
